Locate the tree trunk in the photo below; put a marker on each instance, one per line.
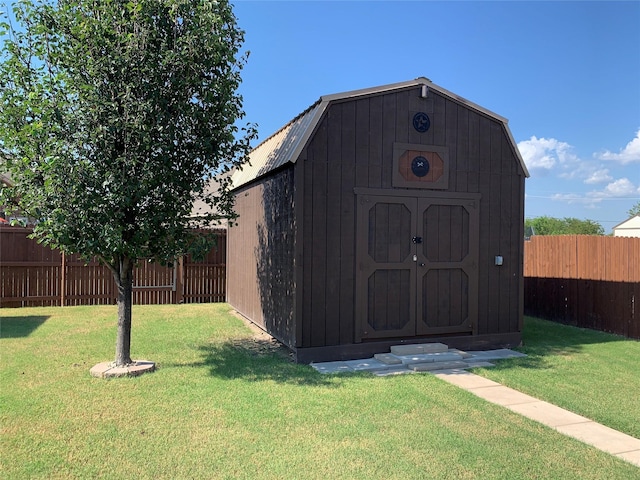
(124, 280)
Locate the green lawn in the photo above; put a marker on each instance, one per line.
(223, 405)
(591, 373)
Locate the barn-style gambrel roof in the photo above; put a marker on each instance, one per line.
(286, 144)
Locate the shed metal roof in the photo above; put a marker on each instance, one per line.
(286, 144)
(280, 148)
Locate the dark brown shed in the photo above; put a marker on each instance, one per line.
(382, 216)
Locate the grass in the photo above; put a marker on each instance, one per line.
(226, 405)
(594, 374)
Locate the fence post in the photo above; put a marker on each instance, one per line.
(63, 280)
(180, 280)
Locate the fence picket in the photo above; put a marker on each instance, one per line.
(587, 281)
(35, 275)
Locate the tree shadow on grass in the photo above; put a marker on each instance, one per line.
(544, 338)
(257, 359)
(20, 326)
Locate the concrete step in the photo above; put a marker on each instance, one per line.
(461, 353)
(419, 348)
(431, 366)
(429, 358)
(366, 364)
(388, 358)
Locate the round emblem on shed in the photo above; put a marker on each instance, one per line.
(421, 122)
(420, 166)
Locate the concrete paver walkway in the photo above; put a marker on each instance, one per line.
(599, 436)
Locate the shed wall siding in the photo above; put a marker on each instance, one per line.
(261, 252)
(353, 147)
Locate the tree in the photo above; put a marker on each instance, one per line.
(116, 114)
(635, 210)
(563, 226)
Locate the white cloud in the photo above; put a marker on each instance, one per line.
(599, 176)
(582, 170)
(623, 187)
(545, 153)
(605, 183)
(575, 198)
(628, 154)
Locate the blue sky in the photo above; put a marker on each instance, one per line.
(565, 74)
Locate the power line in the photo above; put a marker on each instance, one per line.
(581, 197)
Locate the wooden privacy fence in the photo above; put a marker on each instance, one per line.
(586, 281)
(35, 275)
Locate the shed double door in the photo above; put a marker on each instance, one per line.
(417, 265)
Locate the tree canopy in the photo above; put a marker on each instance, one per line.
(116, 115)
(634, 210)
(563, 226)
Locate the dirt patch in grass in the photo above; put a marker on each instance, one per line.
(259, 342)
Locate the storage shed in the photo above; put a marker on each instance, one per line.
(382, 216)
